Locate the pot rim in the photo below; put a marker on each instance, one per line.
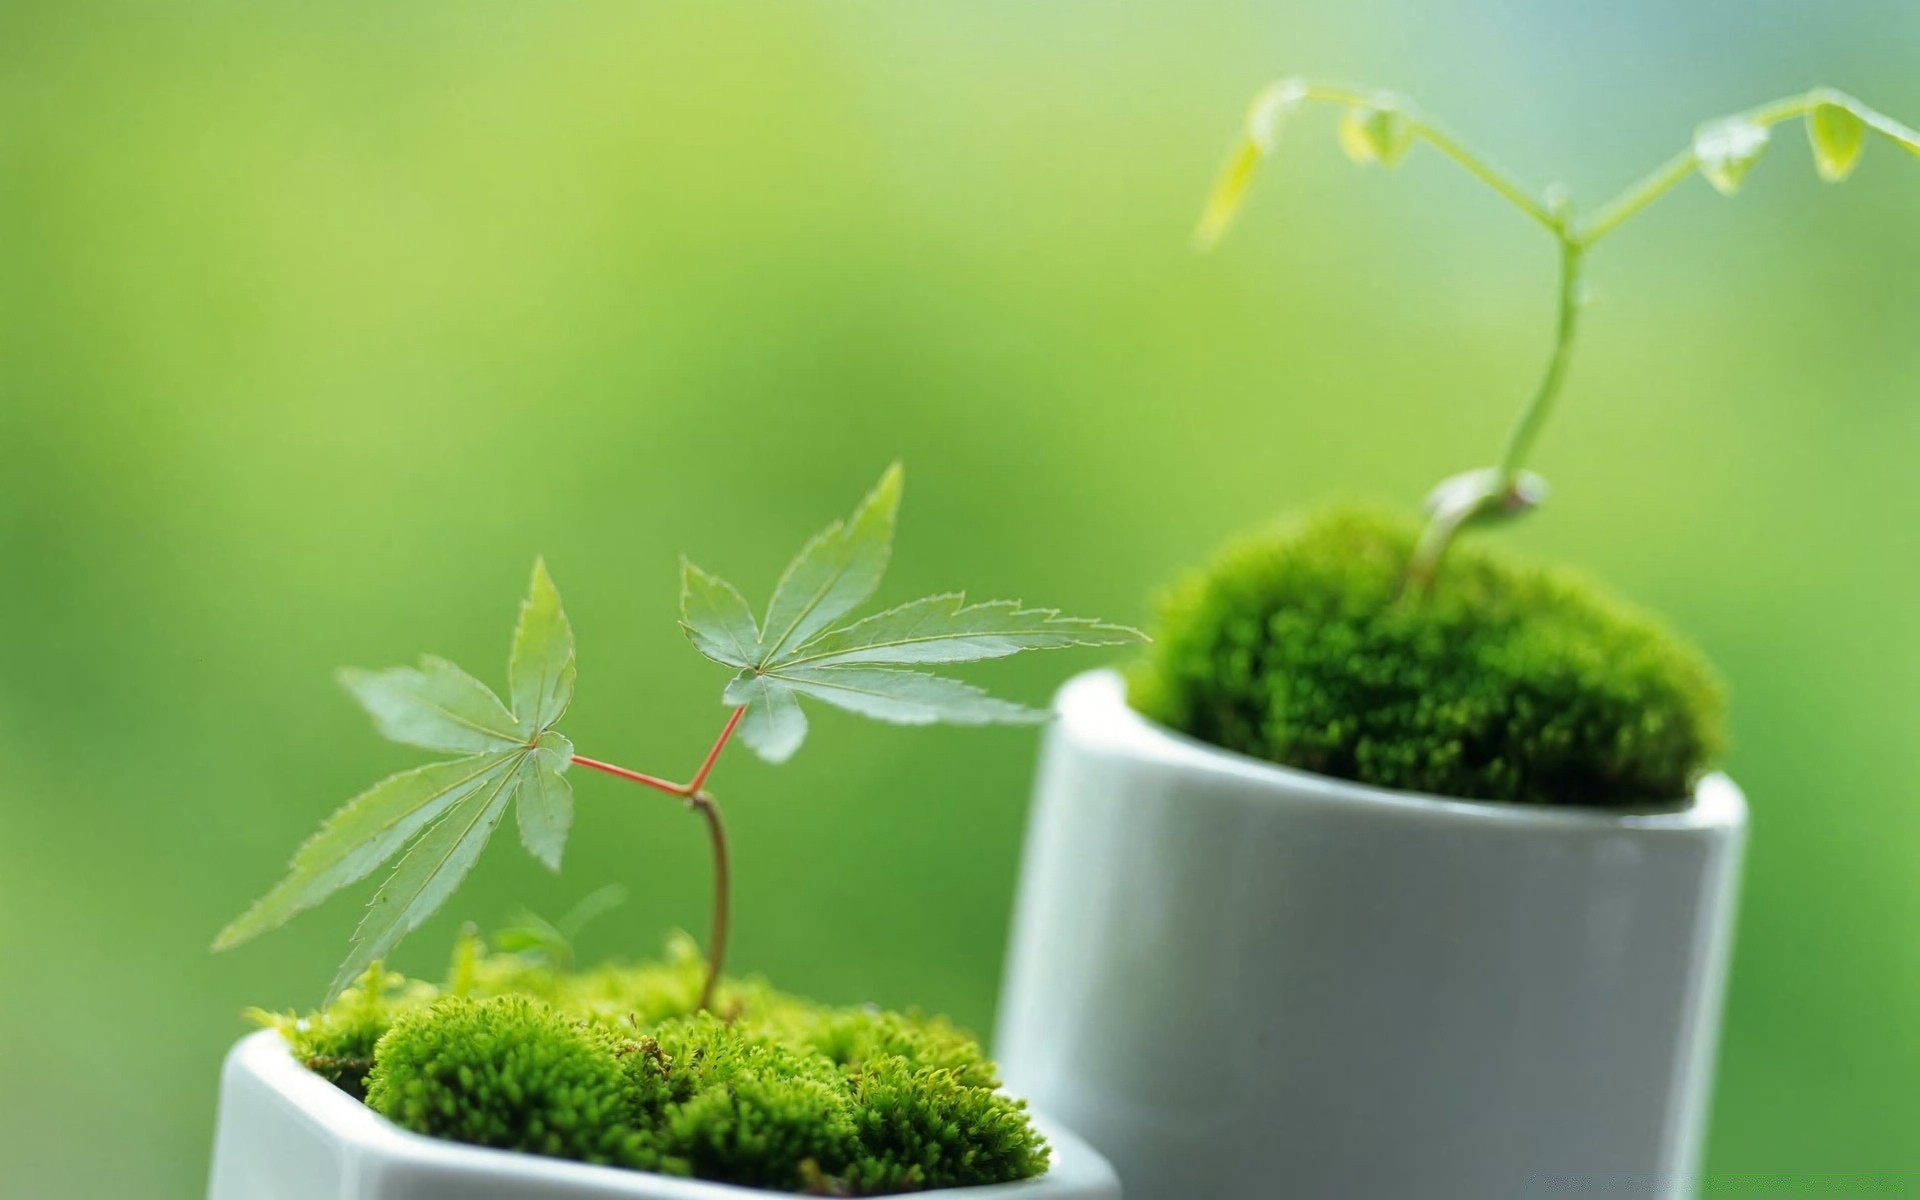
(1075, 1167)
(1092, 708)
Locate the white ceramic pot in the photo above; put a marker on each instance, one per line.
(1240, 980)
(286, 1134)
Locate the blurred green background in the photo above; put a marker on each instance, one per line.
(317, 323)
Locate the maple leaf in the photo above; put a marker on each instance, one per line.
(444, 813)
(868, 666)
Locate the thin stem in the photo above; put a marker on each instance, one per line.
(1670, 174)
(1446, 522)
(702, 802)
(1526, 430)
(1574, 240)
(652, 781)
(1443, 140)
(1675, 170)
(722, 891)
(1484, 170)
(713, 755)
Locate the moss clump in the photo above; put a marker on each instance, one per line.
(1504, 681)
(614, 1066)
(509, 1072)
(338, 1044)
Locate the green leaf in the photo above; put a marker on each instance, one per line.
(364, 833)
(1727, 149)
(1264, 119)
(428, 873)
(446, 810)
(945, 629)
(773, 726)
(545, 806)
(1379, 134)
(1223, 202)
(541, 670)
(592, 907)
(716, 618)
(530, 931)
(906, 697)
(834, 572)
(800, 652)
(435, 706)
(1838, 136)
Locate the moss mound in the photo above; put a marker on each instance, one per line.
(614, 1066)
(1504, 681)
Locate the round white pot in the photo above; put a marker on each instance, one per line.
(284, 1133)
(1240, 980)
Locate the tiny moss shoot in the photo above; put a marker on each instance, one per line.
(1382, 127)
(439, 817)
(623, 1066)
(1506, 681)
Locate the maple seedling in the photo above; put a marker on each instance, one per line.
(511, 754)
(1380, 127)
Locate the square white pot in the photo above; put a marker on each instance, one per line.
(284, 1133)
(1237, 979)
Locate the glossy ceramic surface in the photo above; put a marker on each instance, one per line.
(286, 1134)
(1240, 980)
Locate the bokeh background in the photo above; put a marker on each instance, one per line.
(318, 322)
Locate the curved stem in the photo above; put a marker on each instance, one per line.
(1446, 522)
(1675, 170)
(1500, 488)
(1526, 430)
(700, 801)
(709, 808)
(1440, 138)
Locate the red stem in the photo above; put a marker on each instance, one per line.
(652, 781)
(709, 808)
(713, 755)
(722, 896)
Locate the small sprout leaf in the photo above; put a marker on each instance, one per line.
(1376, 134)
(1727, 149)
(1838, 136)
(1264, 119)
(1223, 203)
(531, 933)
(592, 906)
(1477, 496)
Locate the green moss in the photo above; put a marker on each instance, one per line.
(613, 1065)
(730, 1101)
(338, 1044)
(513, 1073)
(1504, 681)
